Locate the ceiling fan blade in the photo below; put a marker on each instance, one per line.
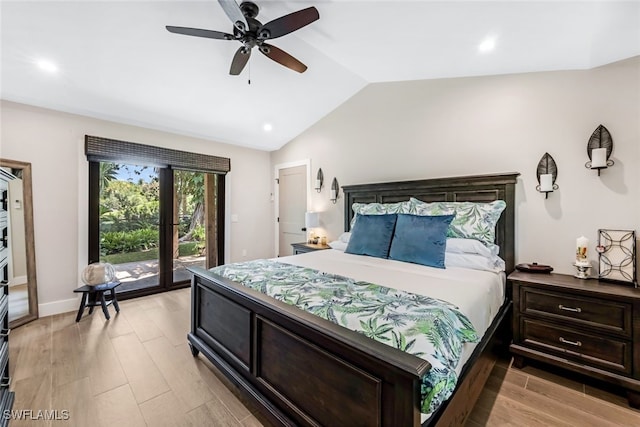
(209, 34)
(240, 59)
(234, 13)
(288, 23)
(282, 57)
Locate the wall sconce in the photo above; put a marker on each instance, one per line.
(311, 221)
(599, 149)
(319, 180)
(335, 189)
(547, 173)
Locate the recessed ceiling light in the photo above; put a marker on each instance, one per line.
(487, 45)
(48, 66)
(267, 127)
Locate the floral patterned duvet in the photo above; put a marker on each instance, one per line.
(431, 329)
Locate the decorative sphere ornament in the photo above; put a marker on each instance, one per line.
(98, 273)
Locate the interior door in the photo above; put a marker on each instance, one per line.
(292, 205)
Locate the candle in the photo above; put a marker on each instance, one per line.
(546, 182)
(333, 194)
(599, 158)
(581, 248)
(318, 184)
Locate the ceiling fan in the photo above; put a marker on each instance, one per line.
(251, 33)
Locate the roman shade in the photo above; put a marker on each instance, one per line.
(98, 149)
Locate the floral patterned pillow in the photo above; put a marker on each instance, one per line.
(418, 207)
(379, 209)
(472, 221)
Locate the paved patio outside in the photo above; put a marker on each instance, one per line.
(144, 274)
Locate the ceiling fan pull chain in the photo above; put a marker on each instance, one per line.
(249, 79)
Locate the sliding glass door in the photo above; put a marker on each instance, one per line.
(188, 237)
(130, 223)
(152, 223)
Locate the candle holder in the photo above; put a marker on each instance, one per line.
(319, 180)
(599, 148)
(582, 269)
(335, 190)
(547, 172)
(617, 256)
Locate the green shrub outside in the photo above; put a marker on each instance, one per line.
(184, 249)
(113, 242)
(198, 233)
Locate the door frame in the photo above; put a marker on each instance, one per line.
(276, 195)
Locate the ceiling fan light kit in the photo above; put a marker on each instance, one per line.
(251, 33)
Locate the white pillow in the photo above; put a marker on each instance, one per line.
(471, 246)
(474, 262)
(338, 245)
(344, 237)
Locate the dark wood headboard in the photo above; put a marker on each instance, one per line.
(479, 188)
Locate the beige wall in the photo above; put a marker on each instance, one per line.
(54, 144)
(386, 132)
(468, 126)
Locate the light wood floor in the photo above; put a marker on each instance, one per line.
(137, 370)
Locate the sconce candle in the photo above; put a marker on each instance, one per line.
(546, 182)
(599, 149)
(598, 158)
(547, 172)
(335, 188)
(319, 180)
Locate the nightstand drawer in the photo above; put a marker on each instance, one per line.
(610, 316)
(607, 353)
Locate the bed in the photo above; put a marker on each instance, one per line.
(301, 369)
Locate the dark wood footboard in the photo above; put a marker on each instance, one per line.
(302, 369)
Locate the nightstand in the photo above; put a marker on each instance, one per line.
(301, 248)
(586, 326)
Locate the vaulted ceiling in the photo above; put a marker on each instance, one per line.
(116, 61)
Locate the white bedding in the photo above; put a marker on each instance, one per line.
(478, 294)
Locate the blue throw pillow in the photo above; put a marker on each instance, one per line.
(421, 239)
(371, 235)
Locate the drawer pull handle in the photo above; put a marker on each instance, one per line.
(574, 310)
(576, 343)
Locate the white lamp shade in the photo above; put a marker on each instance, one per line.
(311, 219)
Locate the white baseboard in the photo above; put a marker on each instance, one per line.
(57, 307)
(18, 280)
